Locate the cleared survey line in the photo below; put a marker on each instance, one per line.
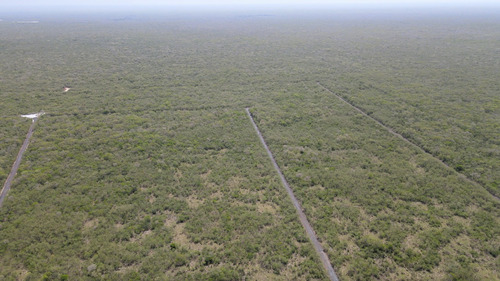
(13, 171)
(390, 130)
(303, 219)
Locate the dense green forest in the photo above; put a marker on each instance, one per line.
(149, 169)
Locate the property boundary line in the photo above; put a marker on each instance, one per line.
(303, 219)
(13, 171)
(390, 130)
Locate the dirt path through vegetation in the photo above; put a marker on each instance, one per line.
(13, 171)
(390, 130)
(303, 219)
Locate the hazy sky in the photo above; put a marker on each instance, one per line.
(241, 2)
(37, 6)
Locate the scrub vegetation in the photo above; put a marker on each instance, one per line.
(149, 168)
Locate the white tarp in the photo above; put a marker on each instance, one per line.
(33, 115)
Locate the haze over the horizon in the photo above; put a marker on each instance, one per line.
(370, 3)
(35, 8)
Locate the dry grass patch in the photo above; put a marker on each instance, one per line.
(235, 182)
(293, 263)
(181, 238)
(411, 242)
(205, 176)
(416, 167)
(266, 208)
(91, 224)
(171, 220)
(141, 236)
(22, 274)
(194, 202)
(256, 272)
(217, 195)
(127, 269)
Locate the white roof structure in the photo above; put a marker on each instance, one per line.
(33, 115)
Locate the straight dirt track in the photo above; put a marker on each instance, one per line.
(13, 171)
(390, 130)
(303, 219)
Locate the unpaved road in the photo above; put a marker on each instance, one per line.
(390, 130)
(303, 219)
(13, 171)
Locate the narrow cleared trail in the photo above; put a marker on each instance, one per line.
(13, 171)
(390, 130)
(303, 219)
